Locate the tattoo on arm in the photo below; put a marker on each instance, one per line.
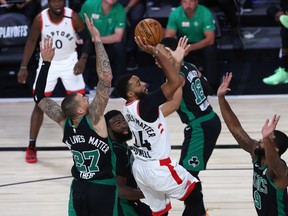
(104, 73)
(51, 109)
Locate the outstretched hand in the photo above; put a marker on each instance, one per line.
(181, 50)
(144, 45)
(93, 30)
(47, 52)
(267, 129)
(224, 87)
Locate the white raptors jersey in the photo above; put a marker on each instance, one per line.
(63, 34)
(152, 140)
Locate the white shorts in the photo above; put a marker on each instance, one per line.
(161, 180)
(64, 70)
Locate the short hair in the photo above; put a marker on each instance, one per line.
(170, 42)
(69, 105)
(281, 141)
(110, 114)
(122, 85)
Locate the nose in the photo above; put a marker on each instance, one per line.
(146, 85)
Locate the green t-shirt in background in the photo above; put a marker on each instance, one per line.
(106, 24)
(194, 28)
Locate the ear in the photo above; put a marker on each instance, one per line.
(130, 94)
(277, 149)
(80, 111)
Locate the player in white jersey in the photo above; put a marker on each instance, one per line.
(64, 26)
(157, 175)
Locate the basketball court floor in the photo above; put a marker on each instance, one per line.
(42, 189)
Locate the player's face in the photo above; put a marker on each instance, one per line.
(189, 6)
(138, 87)
(259, 150)
(120, 129)
(56, 7)
(83, 102)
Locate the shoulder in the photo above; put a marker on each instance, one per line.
(201, 9)
(177, 11)
(118, 9)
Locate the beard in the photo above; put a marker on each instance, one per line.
(260, 152)
(141, 95)
(123, 137)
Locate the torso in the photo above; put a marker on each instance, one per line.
(194, 102)
(62, 32)
(93, 155)
(268, 199)
(195, 27)
(152, 140)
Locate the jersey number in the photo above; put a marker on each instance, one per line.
(198, 91)
(58, 44)
(257, 200)
(86, 155)
(140, 142)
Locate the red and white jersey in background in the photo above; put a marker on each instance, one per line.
(63, 34)
(152, 140)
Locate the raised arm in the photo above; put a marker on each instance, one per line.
(173, 105)
(278, 170)
(49, 107)
(104, 73)
(166, 61)
(231, 119)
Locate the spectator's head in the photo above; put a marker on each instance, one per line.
(118, 128)
(56, 7)
(109, 2)
(189, 6)
(130, 87)
(75, 104)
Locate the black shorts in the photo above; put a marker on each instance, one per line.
(87, 198)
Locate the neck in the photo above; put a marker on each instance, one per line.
(106, 7)
(54, 17)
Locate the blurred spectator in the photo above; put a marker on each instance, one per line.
(247, 6)
(135, 10)
(197, 23)
(30, 8)
(280, 75)
(110, 19)
(76, 5)
(230, 10)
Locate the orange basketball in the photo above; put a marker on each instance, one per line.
(151, 29)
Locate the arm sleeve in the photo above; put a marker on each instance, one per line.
(39, 92)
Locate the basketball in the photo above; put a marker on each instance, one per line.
(151, 29)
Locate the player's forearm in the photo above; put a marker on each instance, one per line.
(103, 66)
(39, 93)
(28, 51)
